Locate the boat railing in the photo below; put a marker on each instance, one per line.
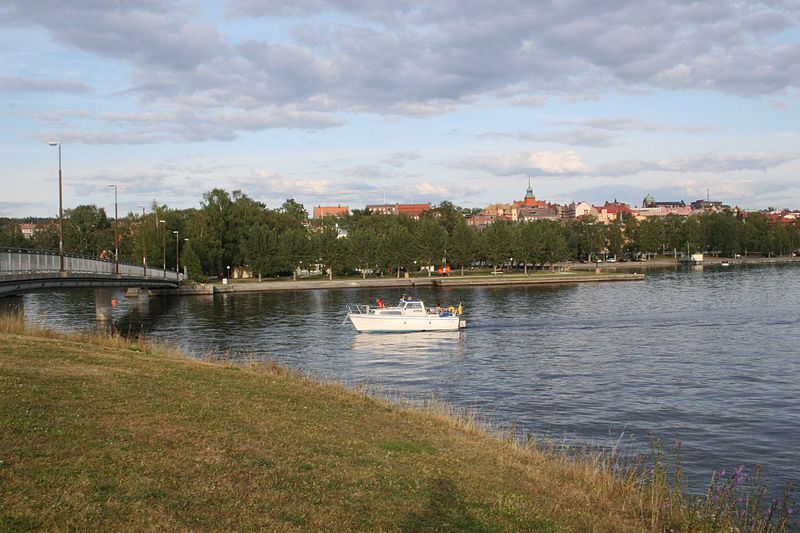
(356, 309)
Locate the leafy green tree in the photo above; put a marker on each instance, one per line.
(675, 232)
(555, 242)
(724, 233)
(615, 240)
(397, 247)
(212, 239)
(363, 246)
(10, 236)
(650, 236)
(292, 215)
(430, 242)
(497, 243)
(191, 262)
(329, 248)
(584, 237)
(294, 249)
(448, 215)
(86, 231)
(463, 246)
(528, 244)
(261, 250)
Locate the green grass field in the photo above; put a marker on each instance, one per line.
(102, 433)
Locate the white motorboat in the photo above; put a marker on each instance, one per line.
(409, 315)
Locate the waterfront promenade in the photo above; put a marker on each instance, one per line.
(578, 273)
(499, 279)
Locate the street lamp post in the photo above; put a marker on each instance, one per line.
(229, 273)
(144, 243)
(177, 253)
(186, 243)
(164, 222)
(60, 209)
(116, 231)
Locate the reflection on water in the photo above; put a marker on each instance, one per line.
(447, 343)
(708, 357)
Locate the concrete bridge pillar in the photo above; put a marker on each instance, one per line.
(102, 304)
(143, 302)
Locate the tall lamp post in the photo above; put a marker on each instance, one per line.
(116, 231)
(60, 209)
(177, 252)
(185, 244)
(164, 222)
(144, 243)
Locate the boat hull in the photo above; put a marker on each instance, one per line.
(377, 323)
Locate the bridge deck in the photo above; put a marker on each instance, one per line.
(32, 270)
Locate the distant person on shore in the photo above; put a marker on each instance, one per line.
(380, 303)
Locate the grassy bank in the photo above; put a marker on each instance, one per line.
(99, 432)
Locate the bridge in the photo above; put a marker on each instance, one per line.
(24, 271)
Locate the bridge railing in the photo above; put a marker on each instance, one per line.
(21, 261)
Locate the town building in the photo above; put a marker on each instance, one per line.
(651, 208)
(28, 230)
(611, 211)
(528, 214)
(708, 205)
(410, 210)
(331, 211)
(649, 202)
(529, 201)
(579, 210)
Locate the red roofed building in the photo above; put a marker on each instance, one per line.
(783, 217)
(27, 230)
(409, 210)
(529, 200)
(331, 211)
(612, 211)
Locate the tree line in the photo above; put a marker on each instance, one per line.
(233, 230)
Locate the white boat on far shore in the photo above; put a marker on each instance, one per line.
(409, 315)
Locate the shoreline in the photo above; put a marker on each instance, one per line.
(579, 273)
(138, 435)
(668, 262)
(502, 279)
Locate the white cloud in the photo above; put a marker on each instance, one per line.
(9, 84)
(411, 59)
(541, 163)
(714, 163)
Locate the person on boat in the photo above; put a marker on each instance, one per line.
(380, 303)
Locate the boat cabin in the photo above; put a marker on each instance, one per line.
(412, 306)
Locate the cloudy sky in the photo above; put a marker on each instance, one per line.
(353, 101)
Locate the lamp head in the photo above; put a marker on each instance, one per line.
(54, 143)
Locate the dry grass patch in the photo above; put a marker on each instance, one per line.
(98, 432)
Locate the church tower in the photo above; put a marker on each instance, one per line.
(530, 199)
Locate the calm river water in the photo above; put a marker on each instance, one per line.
(708, 358)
